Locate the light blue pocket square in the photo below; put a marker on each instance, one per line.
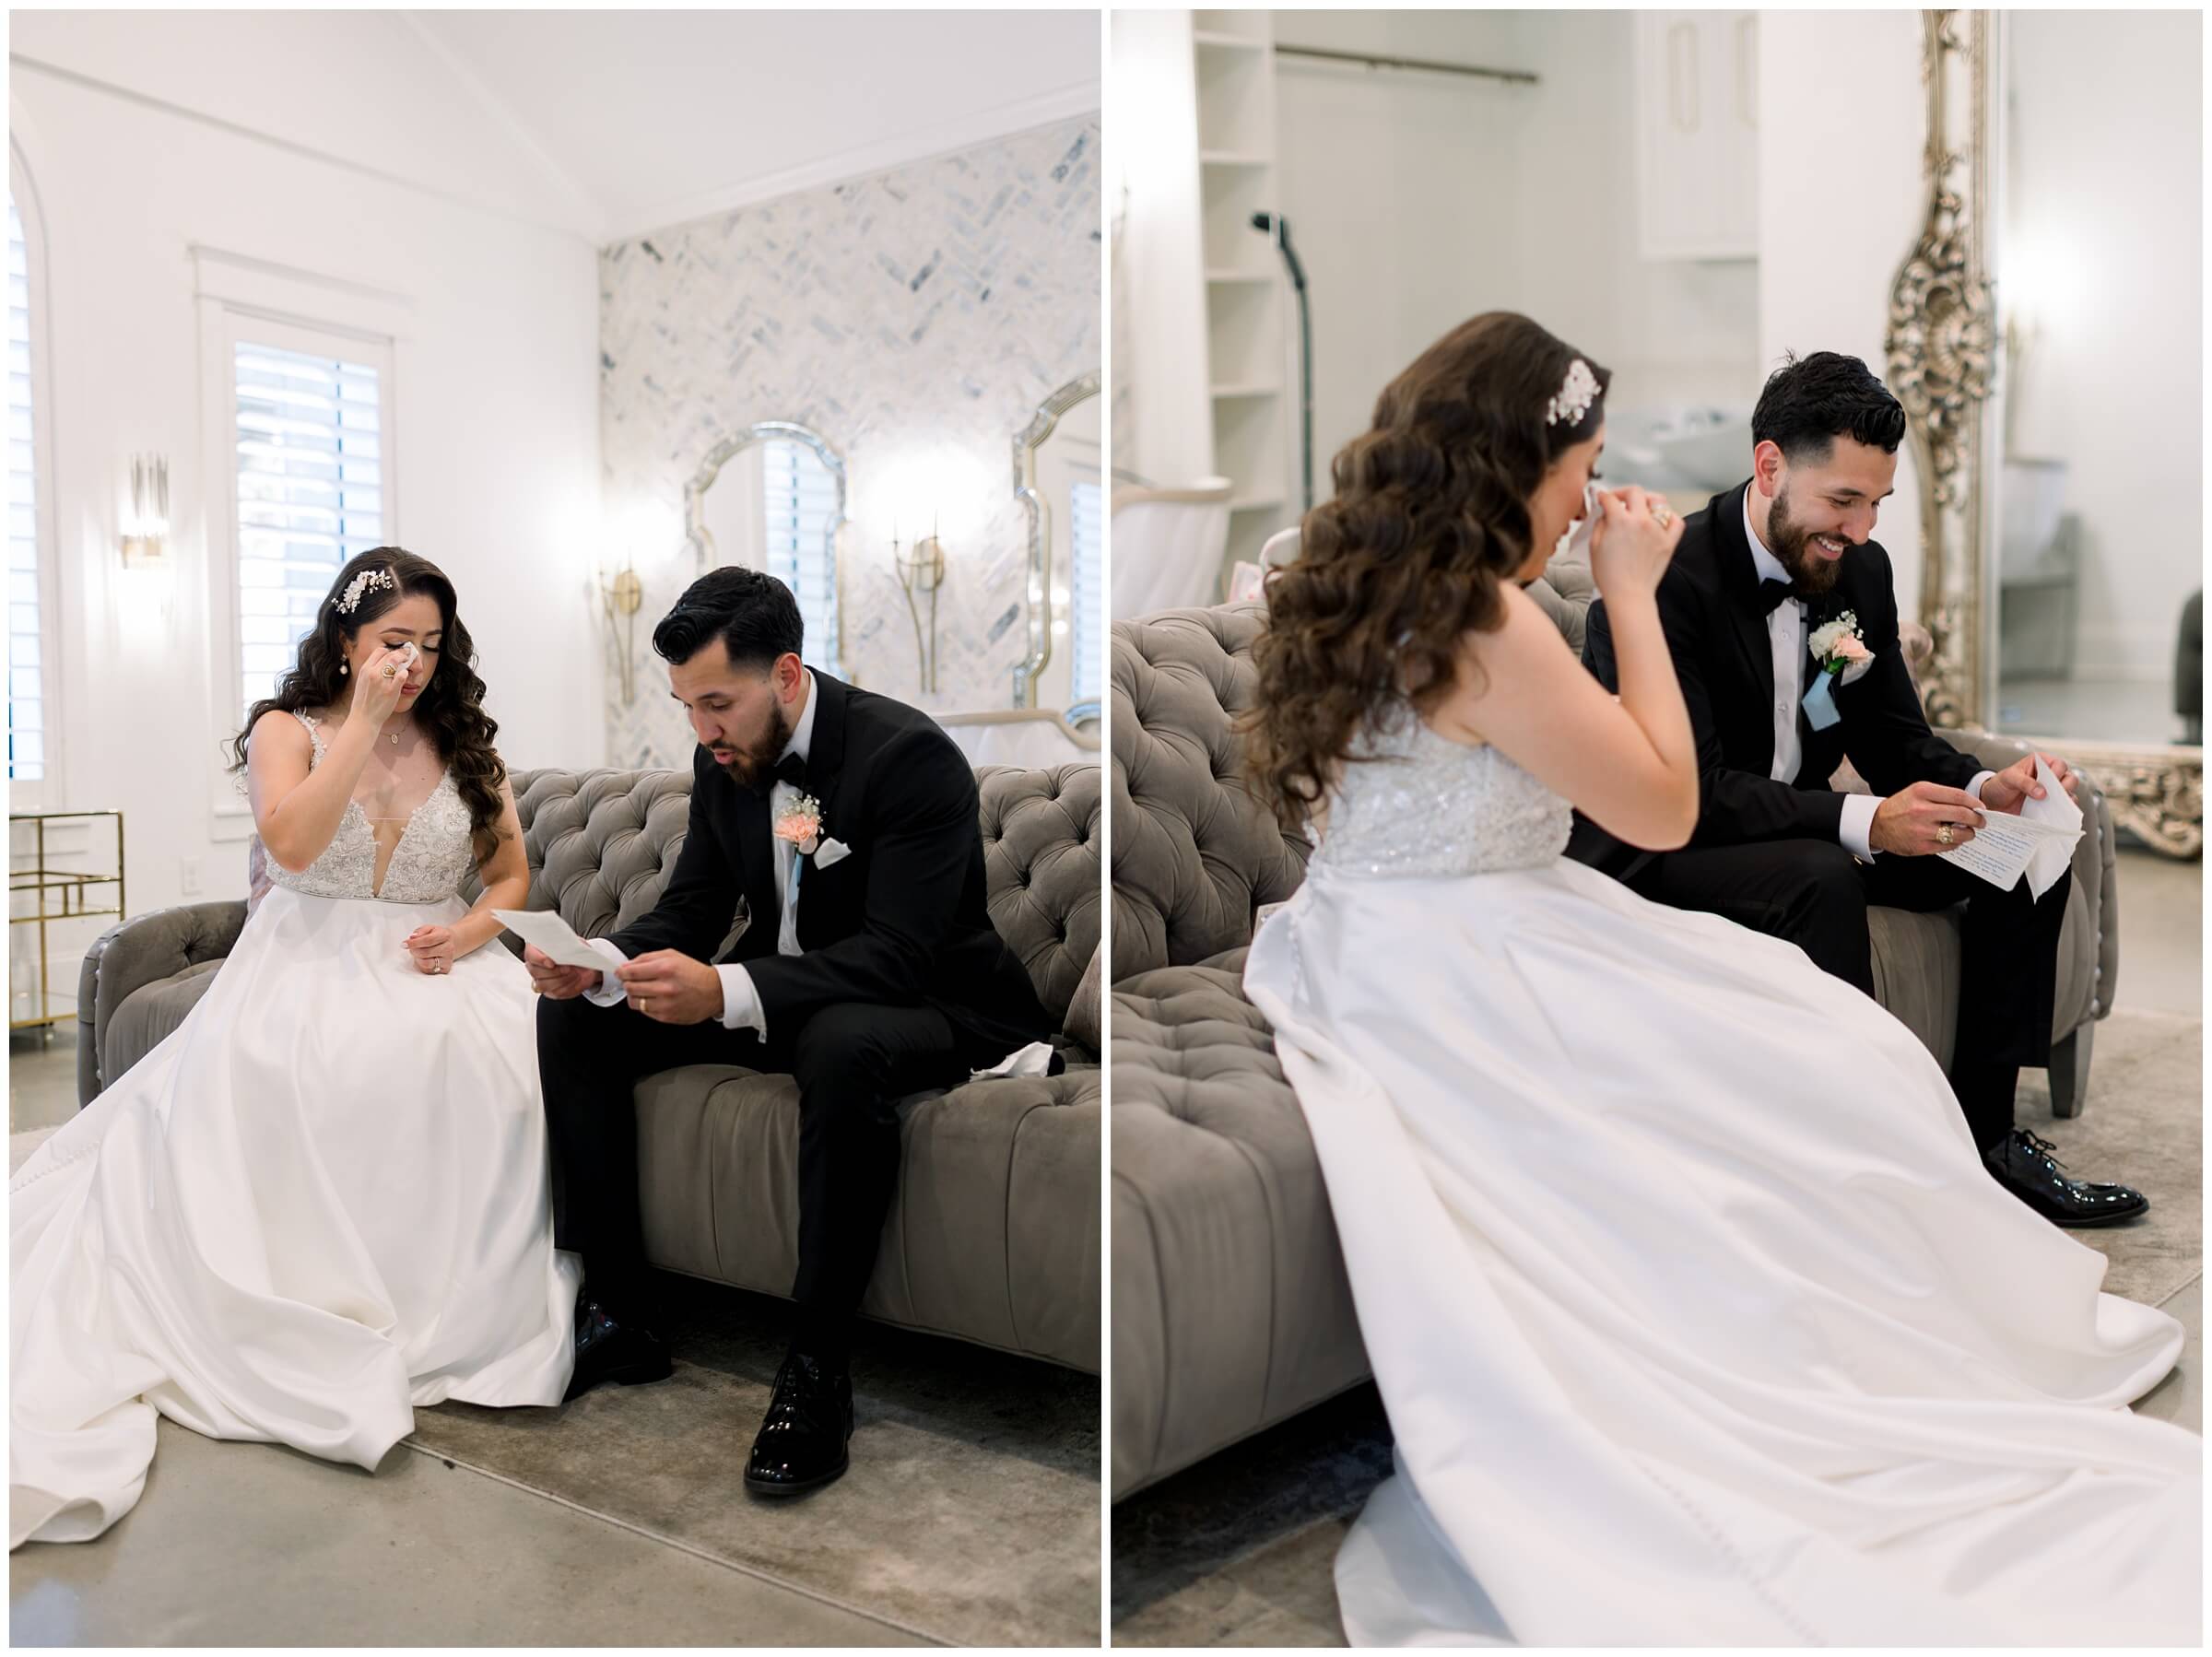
(1820, 702)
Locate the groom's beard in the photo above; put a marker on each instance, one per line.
(755, 761)
(1810, 574)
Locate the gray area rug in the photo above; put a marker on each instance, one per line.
(1239, 1550)
(2144, 1125)
(971, 1514)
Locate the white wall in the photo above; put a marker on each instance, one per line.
(1163, 413)
(2104, 249)
(1417, 200)
(497, 439)
(1840, 205)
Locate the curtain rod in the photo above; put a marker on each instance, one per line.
(1373, 62)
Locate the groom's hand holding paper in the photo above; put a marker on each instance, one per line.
(2036, 841)
(1924, 818)
(669, 987)
(561, 964)
(544, 931)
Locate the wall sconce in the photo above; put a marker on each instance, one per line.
(922, 569)
(619, 600)
(145, 512)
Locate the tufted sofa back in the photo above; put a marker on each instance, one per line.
(602, 843)
(1195, 855)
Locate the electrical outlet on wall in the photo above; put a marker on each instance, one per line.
(188, 875)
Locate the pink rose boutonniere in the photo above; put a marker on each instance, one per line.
(801, 822)
(1843, 658)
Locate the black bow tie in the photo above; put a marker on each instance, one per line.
(791, 769)
(1772, 595)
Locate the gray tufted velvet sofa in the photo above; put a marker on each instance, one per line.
(994, 1234)
(1231, 1308)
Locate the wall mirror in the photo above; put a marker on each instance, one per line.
(772, 498)
(1058, 480)
(2046, 338)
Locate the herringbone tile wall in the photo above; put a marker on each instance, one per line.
(915, 319)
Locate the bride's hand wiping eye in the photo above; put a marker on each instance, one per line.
(1636, 536)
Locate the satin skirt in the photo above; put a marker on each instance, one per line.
(322, 1202)
(1697, 1317)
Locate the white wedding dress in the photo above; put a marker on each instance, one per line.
(320, 1202)
(1697, 1320)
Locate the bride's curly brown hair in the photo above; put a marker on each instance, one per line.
(1430, 519)
(451, 708)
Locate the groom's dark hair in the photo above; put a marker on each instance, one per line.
(1808, 405)
(754, 616)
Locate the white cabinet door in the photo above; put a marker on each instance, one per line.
(1697, 135)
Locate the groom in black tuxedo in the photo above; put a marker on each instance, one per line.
(867, 967)
(1758, 572)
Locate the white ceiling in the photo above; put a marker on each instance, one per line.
(657, 117)
(605, 123)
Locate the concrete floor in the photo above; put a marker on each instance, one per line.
(2161, 933)
(256, 1545)
(253, 1544)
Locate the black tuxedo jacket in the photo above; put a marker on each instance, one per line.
(900, 922)
(1716, 631)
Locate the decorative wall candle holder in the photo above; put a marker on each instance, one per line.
(144, 517)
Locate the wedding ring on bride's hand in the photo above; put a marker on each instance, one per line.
(1662, 514)
(391, 673)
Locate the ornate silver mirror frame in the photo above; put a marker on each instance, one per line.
(701, 542)
(1941, 351)
(1026, 444)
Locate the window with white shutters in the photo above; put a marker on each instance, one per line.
(1087, 590)
(311, 486)
(27, 699)
(799, 503)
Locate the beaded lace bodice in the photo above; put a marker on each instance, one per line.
(1424, 805)
(435, 850)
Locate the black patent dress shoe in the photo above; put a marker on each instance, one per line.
(802, 1442)
(612, 1348)
(2024, 1166)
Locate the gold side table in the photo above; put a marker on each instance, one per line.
(60, 895)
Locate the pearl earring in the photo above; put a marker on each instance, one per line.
(344, 670)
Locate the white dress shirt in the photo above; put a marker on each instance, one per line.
(741, 1007)
(1785, 637)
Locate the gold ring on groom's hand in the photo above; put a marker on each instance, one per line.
(1943, 834)
(642, 1004)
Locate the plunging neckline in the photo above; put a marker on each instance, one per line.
(378, 879)
(354, 807)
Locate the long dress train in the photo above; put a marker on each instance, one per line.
(1698, 1319)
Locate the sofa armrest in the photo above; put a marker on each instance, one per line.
(2096, 873)
(135, 953)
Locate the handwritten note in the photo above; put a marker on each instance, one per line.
(2038, 843)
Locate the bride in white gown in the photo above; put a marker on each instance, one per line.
(1698, 1318)
(323, 1201)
